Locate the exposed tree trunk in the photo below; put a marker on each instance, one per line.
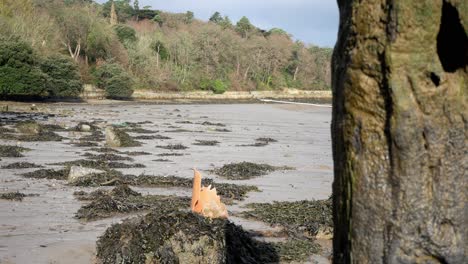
(113, 15)
(295, 73)
(74, 53)
(246, 74)
(157, 57)
(400, 132)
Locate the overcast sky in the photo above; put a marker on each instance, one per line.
(311, 21)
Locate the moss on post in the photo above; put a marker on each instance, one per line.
(399, 138)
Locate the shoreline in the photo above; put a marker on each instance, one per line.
(92, 93)
(95, 96)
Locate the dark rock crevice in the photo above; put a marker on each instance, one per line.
(452, 41)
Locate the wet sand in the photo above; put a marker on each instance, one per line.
(43, 230)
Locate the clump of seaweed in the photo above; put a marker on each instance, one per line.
(33, 131)
(227, 191)
(15, 196)
(12, 117)
(222, 130)
(181, 130)
(85, 144)
(109, 175)
(172, 236)
(162, 160)
(206, 142)
(121, 165)
(101, 179)
(170, 154)
(184, 122)
(53, 127)
(43, 136)
(29, 127)
(256, 144)
(151, 137)
(99, 164)
(107, 150)
(11, 151)
(246, 170)
(173, 147)
(208, 123)
(260, 142)
(136, 153)
(296, 250)
(309, 217)
(95, 136)
(104, 150)
(6, 130)
(21, 165)
(266, 139)
(139, 130)
(122, 199)
(106, 157)
(50, 174)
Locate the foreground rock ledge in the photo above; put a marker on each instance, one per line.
(180, 237)
(400, 79)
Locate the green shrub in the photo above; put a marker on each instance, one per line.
(115, 80)
(125, 33)
(159, 48)
(64, 77)
(217, 86)
(20, 74)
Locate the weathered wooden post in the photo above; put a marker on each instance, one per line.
(400, 126)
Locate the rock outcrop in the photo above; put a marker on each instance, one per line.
(77, 173)
(400, 80)
(118, 138)
(180, 237)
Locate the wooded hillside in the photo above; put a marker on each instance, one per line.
(51, 47)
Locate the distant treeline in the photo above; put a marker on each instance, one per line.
(49, 48)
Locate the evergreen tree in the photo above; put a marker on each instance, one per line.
(216, 18)
(244, 27)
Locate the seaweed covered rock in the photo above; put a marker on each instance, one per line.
(118, 138)
(85, 127)
(77, 173)
(180, 237)
(33, 131)
(29, 127)
(12, 151)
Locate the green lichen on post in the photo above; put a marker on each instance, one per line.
(398, 115)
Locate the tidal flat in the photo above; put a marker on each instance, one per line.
(43, 226)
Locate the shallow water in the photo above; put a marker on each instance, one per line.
(43, 228)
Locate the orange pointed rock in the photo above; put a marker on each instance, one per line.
(205, 200)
